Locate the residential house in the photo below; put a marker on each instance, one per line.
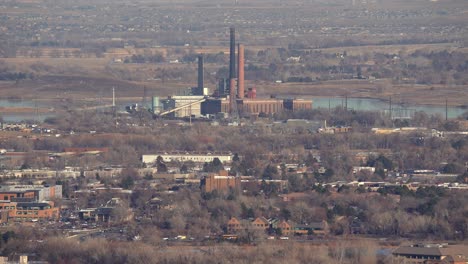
(433, 253)
(296, 196)
(285, 227)
(317, 228)
(234, 225)
(260, 223)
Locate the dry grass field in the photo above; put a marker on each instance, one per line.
(395, 49)
(70, 75)
(379, 89)
(90, 78)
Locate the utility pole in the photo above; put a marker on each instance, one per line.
(113, 101)
(113, 97)
(346, 102)
(190, 114)
(446, 109)
(143, 100)
(36, 110)
(390, 107)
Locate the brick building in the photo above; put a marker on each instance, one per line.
(220, 183)
(24, 211)
(254, 105)
(38, 192)
(12, 195)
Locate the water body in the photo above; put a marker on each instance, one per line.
(20, 116)
(16, 103)
(367, 104)
(363, 104)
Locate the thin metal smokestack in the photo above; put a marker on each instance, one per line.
(200, 73)
(232, 54)
(232, 95)
(240, 79)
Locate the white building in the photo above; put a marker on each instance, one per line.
(197, 157)
(193, 108)
(357, 169)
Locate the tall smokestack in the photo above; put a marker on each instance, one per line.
(200, 73)
(232, 95)
(240, 80)
(232, 55)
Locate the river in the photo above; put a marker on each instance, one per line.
(17, 116)
(367, 104)
(364, 104)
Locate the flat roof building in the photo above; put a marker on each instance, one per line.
(197, 157)
(221, 183)
(248, 106)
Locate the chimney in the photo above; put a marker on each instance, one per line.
(200, 73)
(232, 55)
(232, 95)
(232, 91)
(240, 80)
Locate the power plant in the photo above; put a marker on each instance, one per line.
(230, 98)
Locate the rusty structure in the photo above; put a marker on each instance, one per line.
(238, 102)
(231, 98)
(240, 80)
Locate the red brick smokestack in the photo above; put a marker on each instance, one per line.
(240, 72)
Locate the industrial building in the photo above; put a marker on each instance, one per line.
(249, 106)
(179, 102)
(229, 98)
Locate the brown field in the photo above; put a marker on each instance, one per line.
(395, 49)
(379, 89)
(23, 110)
(91, 79)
